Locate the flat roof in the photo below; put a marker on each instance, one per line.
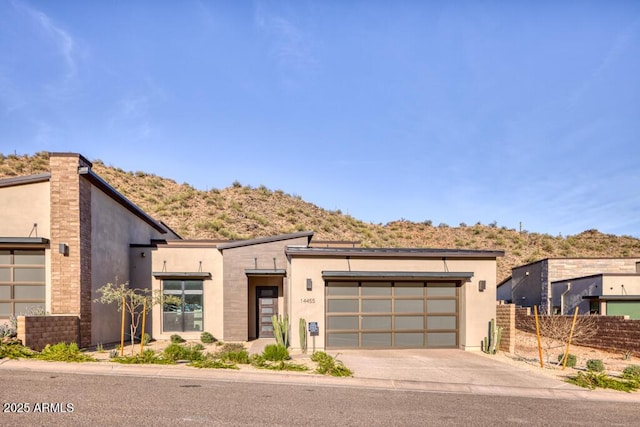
(423, 275)
(23, 180)
(393, 252)
(613, 297)
(249, 242)
(591, 276)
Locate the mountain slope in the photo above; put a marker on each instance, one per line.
(238, 212)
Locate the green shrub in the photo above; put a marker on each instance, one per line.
(285, 366)
(63, 352)
(146, 339)
(207, 338)
(176, 339)
(213, 363)
(592, 380)
(328, 365)
(8, 330)
(260, 362)
(631, 372)
(572, 360)
(232, 346)
(595, 365)
(177, 352)
(231, 355)
(14, 350)
(148, 357)
(275, 353)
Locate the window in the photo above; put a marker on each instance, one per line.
(187, 315)
(22, 282)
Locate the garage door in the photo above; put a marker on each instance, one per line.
(391, 314)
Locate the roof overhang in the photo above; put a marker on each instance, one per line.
(612, 297)
(200, 275)
(416, 253)
(261, 240)
(119, 198)
(265, 272)
(398, 275)
(24, 180)
(24, 242)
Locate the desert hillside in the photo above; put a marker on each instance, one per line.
(241, 211)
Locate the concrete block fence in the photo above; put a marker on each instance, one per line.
(614, 333)
(36, 332)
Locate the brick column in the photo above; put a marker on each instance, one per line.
(71, 224)
(506, 317)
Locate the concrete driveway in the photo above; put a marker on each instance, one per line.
(454, 367)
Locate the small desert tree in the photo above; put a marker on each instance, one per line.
(136, 302)
(555, 331)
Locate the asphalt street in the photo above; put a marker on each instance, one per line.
(86, 399)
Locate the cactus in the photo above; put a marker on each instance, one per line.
(303, 335)
(281, 329)
(491, 344)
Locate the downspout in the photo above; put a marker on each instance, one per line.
(562, 298)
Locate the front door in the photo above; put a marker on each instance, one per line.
(267, 306)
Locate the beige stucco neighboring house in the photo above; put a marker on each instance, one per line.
(63, 235)
(88, 234)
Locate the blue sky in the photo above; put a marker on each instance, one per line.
(423, 110)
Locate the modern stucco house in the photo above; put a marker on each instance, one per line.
(88, 234)
(608, 294)
(558, 285)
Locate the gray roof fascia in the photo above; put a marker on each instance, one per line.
(24, 180)
(182, 275)
(24, 240)
(265, 272)
(613, 297)
(398, 274)
(118, 197)
(270, 239)
(393, 252)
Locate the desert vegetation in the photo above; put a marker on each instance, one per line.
(243, 211)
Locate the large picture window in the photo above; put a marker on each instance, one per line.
(22, 282)
(187, 315)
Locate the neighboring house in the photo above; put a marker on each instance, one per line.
(64, 234)
(88, 234)
(504, 290)
(611, 294)
(531, 284)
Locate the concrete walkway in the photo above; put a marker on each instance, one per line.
(441, 371)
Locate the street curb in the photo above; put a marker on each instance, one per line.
(184, 372)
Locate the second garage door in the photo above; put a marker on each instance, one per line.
(391, 314)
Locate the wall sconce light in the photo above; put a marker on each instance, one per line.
(142, 254)
(482, 285)
(309, 284)
(63, 249)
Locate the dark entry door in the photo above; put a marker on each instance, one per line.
(267, 306)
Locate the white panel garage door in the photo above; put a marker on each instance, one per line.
(391, 314)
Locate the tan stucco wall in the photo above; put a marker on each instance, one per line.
(236, 282)
(476, 308)
(113, 230)
(621, 285)
(181, 259)
(23, 206)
